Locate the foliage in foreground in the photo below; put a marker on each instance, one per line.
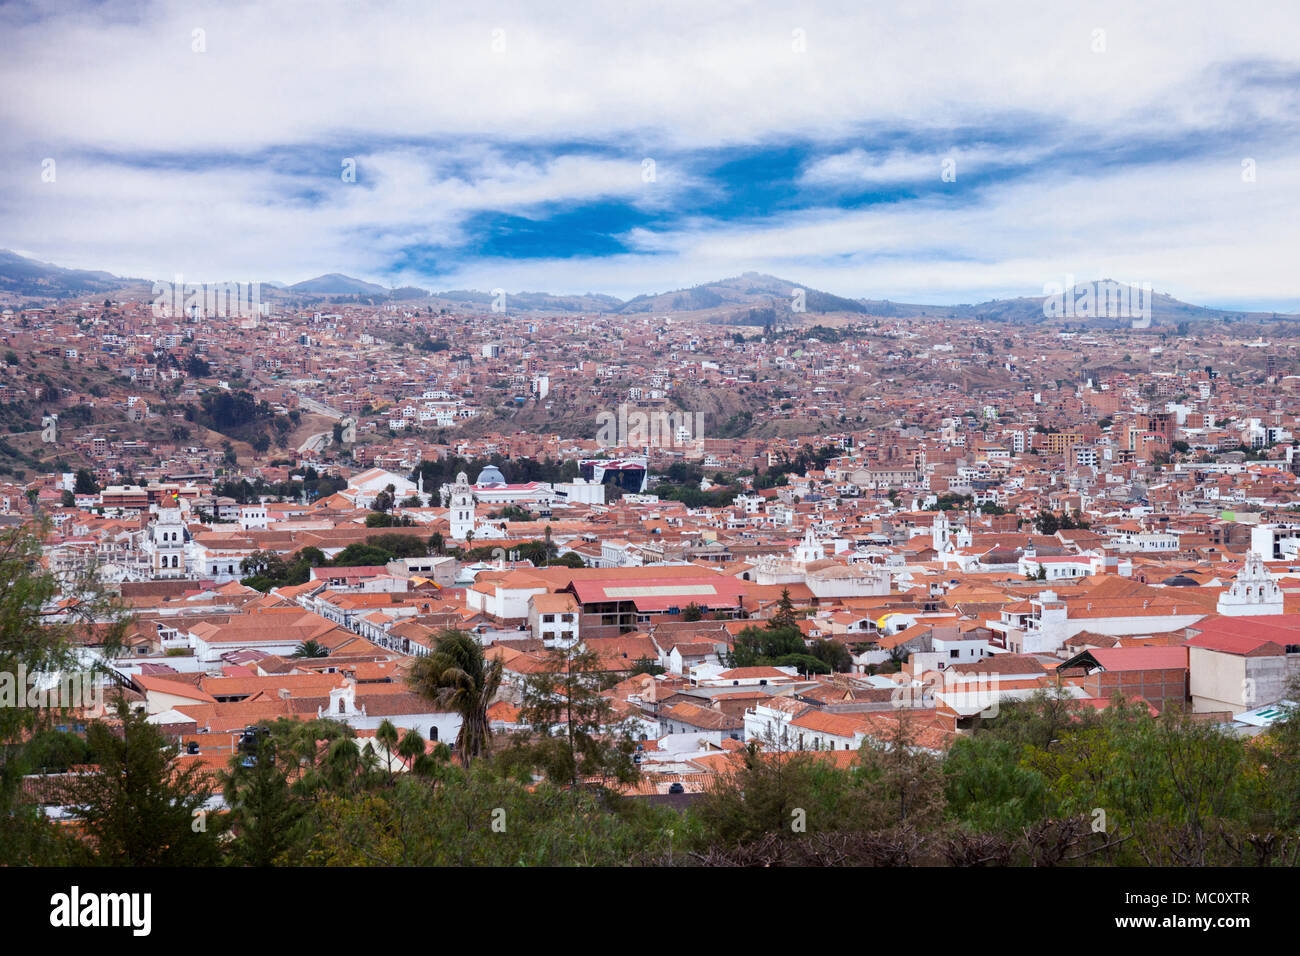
(1044, 785)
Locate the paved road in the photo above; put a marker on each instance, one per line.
(310, 404)
(315, 442)
(314, 406)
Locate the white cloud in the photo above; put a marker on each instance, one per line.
(1132, 225)
(699, 75)
(127, 108)
(859, 167)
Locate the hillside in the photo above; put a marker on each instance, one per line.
(752, 289)
(23, 277)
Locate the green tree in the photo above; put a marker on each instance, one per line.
(380, 519)
(784, 616)
(361, 555)
(476, 817)
(777, 794)
(758, 646)
(458, 675)
(386, 734)
(400, 545)
(263, 564)
(579, 737)
(412, 748)
(85, 483)
(385, 500)
(266, 817)
(140, 808)
(834, 654)
(38, 634)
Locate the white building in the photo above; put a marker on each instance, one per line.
(1254, 591)
(461, 514)
(166, 545)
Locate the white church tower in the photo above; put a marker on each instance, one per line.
(462, 508)
(809, 550)
(940, 536)
(167, 544)
(1253, 592)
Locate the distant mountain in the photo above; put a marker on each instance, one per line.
(766, 297)
(752, 289)
(336, 283)
(1068, 307)
(21, 276)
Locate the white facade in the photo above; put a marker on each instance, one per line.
(1253, 592)
(166, 545)
(461, 514)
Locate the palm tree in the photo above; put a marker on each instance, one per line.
(386, 734)
(369, 763)
(411, 748)
(310, 648)
(342, 764)
(303, 749)
(459, 676)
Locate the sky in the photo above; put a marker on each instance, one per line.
(921, 152)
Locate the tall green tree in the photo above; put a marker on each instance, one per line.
(579, 738)
(757, 646)
(386, 734)
(265, 814)
(140, 808)
(43, 619)
(784, 616)
(458, 675)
